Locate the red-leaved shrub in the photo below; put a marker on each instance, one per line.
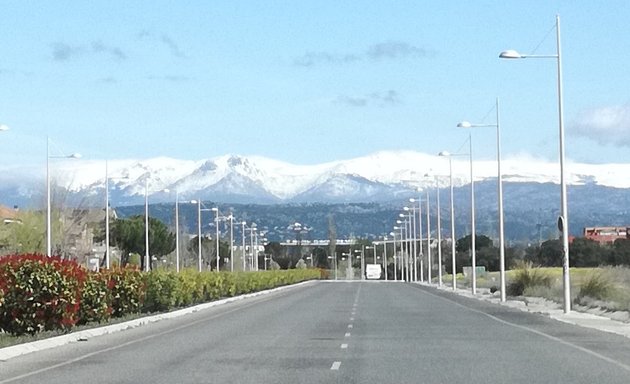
(39, 293)
(127, 288)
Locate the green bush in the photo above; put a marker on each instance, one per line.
(96, 299)
(161, 291)
(127, 288)
(39, 293)
(526, 277)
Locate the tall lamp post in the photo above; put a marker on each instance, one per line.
(176, 230)
(243, 223)
(393, 235)
(466, 124)
(385, 264)
(231, 218)
(563, 221)
(473, 233)
(216, 225)
(439, 230)
(199, 210)
(414, 250)
(429, 260)
(107, 221)
(419, 232)
(48, 209)
(146, 225)
(106, 216)
(453, 255)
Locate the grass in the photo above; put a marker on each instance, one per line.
(604, 287)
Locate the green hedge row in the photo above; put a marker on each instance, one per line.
(39, 293)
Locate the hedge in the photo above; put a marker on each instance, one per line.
(39, 293)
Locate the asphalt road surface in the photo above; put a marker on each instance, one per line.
(339, 332)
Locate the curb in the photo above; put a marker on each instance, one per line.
(56, 341)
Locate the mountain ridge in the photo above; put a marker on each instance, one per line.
(378, 177)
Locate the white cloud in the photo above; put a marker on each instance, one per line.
(381, 99)
(606, 125)
(389, 50)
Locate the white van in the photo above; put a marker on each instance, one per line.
(373, 271)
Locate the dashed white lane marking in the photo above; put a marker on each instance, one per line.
(347, 334)
(344, 346)
(352, 319)
(335, 366)
(350, 326)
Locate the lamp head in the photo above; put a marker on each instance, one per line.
(510, 54)
(4, 127)
(464, 124)
(444, 153)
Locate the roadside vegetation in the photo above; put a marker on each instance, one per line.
(605, 288)
(40, 294)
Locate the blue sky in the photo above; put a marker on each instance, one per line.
(309, 81)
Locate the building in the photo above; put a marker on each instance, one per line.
(606, 235)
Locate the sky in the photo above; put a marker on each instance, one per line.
(308, 82)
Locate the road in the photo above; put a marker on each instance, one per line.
(340, 332)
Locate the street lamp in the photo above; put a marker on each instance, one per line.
(420, 232)
(453, 261)
(473, 232)
(146, 224)
(429, 261)
(415, 231)
(231, 218)
(48, 215)
(177, 230)
(563, 221)
(466, 124)
(107, 233)
(385, 263)
(404, 261)
(216, 225)
(439, 230)
(4, 127)
(199, 210)
(393, 235)
(243, 223)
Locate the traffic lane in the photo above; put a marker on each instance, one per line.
(280, 338)
(434, 340)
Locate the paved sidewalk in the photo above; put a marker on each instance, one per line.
(548, 308)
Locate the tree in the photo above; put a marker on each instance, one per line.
(481, 241)
(25, 234)
(549, 254)
(620, 254)
(320, 258)
(283, 259)
(129, 236)
(585, 252)
(208, 249)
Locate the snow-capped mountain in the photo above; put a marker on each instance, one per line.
(380, 176)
